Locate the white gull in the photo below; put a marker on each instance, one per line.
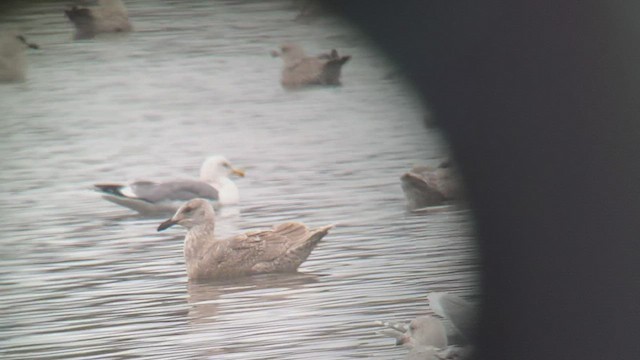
(148, 197)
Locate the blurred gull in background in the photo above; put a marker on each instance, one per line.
(431, 338)
(459, 315)
(301, 70)
(13, 57)
(428, 186)
(108, 16)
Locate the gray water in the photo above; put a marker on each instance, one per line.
(83, 278)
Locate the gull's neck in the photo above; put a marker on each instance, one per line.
(197, 237)
(201, 232)
(227, 191)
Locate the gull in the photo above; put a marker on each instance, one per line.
(302, 70)
(280, 249)
(427, 186)
(422, 331)
(148, 197)
(108, 16)
(13, 57)
(444, 336)
(457, 311)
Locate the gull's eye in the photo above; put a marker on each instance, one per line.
(227, 165)
(187, 210)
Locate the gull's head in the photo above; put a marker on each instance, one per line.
(290, 52)
(217, 167)
(193, 213)
(12, 42)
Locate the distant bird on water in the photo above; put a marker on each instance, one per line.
(281, 249)
(302, 70)
(459, 313)
(148, 197)
(428, 186)
(13, 57)
(432, 338)
(107, 17)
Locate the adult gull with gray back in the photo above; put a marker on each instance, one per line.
(280, 249)
(302, 70)
(13, 57)
(107, 17)
(430, 337)
(458, 312)
(422, 331)
(148, 197)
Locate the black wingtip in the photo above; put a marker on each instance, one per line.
(111, 189)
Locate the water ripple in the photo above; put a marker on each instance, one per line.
(83, 278)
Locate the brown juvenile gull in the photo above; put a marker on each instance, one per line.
(148, 197)
(108, 16)
(427, 186)
(281, 249)
(301, 70)
(13, 57)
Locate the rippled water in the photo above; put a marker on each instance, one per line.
(83, 278)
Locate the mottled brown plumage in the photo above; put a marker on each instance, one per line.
(280, 249)
(427, 186)
(301, 70)
(108, 16)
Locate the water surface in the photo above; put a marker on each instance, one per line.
(83, 278)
